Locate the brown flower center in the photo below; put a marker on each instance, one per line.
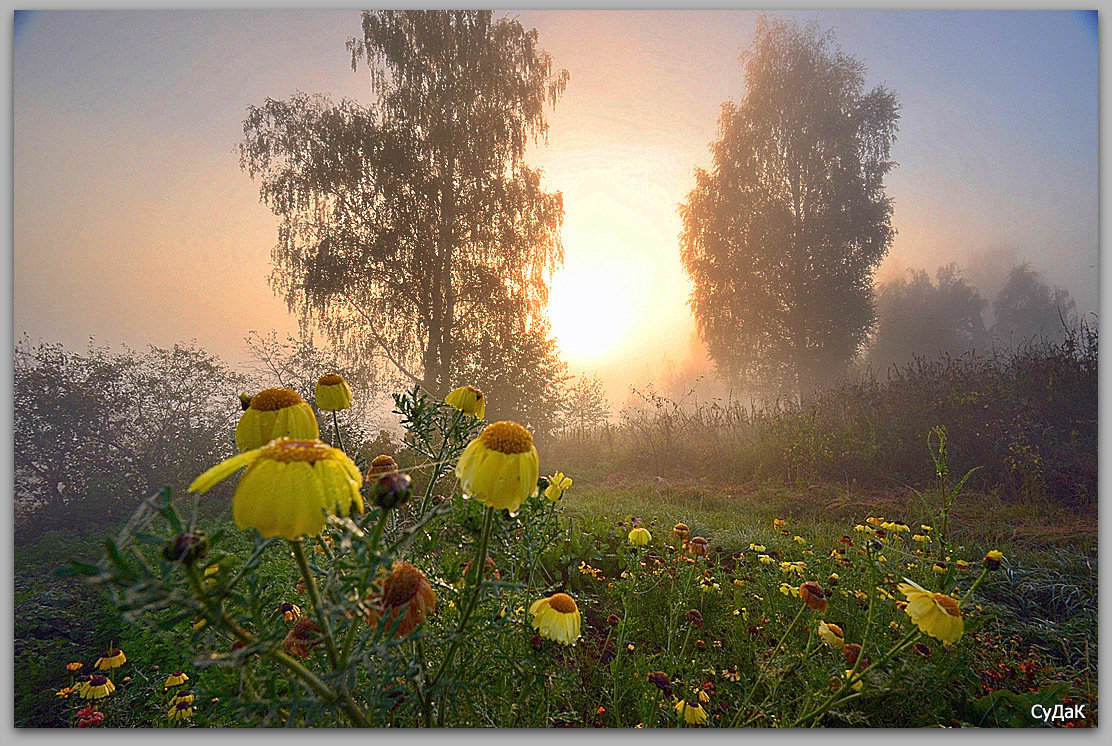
(331, 379)
(288, 450)
(562, 603)
(507, 437)
(272, 399)
(98, 680)
(949, 605)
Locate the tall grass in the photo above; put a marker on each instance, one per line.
(1027, 417)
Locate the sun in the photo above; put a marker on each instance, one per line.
(593, 306)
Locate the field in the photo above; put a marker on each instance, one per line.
(727, 625)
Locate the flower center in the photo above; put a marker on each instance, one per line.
(949, 605)
(507, 437)
(331, 379)
(98, 680)
(562, 603)
(272, 399)
(287, 450)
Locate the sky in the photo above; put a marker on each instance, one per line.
(133, 223)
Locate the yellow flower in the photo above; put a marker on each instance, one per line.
(180, 711)
(557, 483)
(332, 393)
(65, 691)
(992, 559)
(499, 468)
(96, 687)
(175, 679)
(921, 538)
(640, 537)
(926, 528)
(936, 614)
(691, 712)
(799, 540)
(778, 522)
(832, 635)
(765, 559)
(857, 684)
(288, 487)
(731, 674)
(275, 413)
(75, 666)
(468, 400)
(757, 547)
(185, 695)
(114, 659)
(290, 612)
(557, 618)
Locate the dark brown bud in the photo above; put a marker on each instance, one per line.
(695, 617)
(660, 680)
(187, 548)
(613, 620)
(391, 491)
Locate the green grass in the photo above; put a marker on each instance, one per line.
(1035, 626)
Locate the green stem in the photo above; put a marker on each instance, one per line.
(469, 605)
(764, 666)
(336, 427)
(437, 469)
(314, 596)
(284, 659)
(855, 676)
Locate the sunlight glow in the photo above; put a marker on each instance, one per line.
(593, 305)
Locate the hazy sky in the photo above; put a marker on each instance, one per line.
(133, 222)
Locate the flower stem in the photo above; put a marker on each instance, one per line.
(469, 606)
(760, 675)
(314, 596)
(336, 427)
(354, 712)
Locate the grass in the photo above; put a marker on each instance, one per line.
(1036, 623)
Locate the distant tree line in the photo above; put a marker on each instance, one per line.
(918, 318)
(96, 432)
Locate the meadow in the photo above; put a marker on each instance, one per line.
(872, 558)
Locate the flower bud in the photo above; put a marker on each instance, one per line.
(613, 620)
(660, 680)
(391, 491)
(186, 548)
(695, 617)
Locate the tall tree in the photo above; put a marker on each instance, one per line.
(782, 236)
(920, 318)
(1027, 309)
(412, 225)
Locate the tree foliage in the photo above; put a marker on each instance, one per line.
(98, 432)
(412, 232)
(1027, 309)
(586, 406)
(782, 235)
(920, 318)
